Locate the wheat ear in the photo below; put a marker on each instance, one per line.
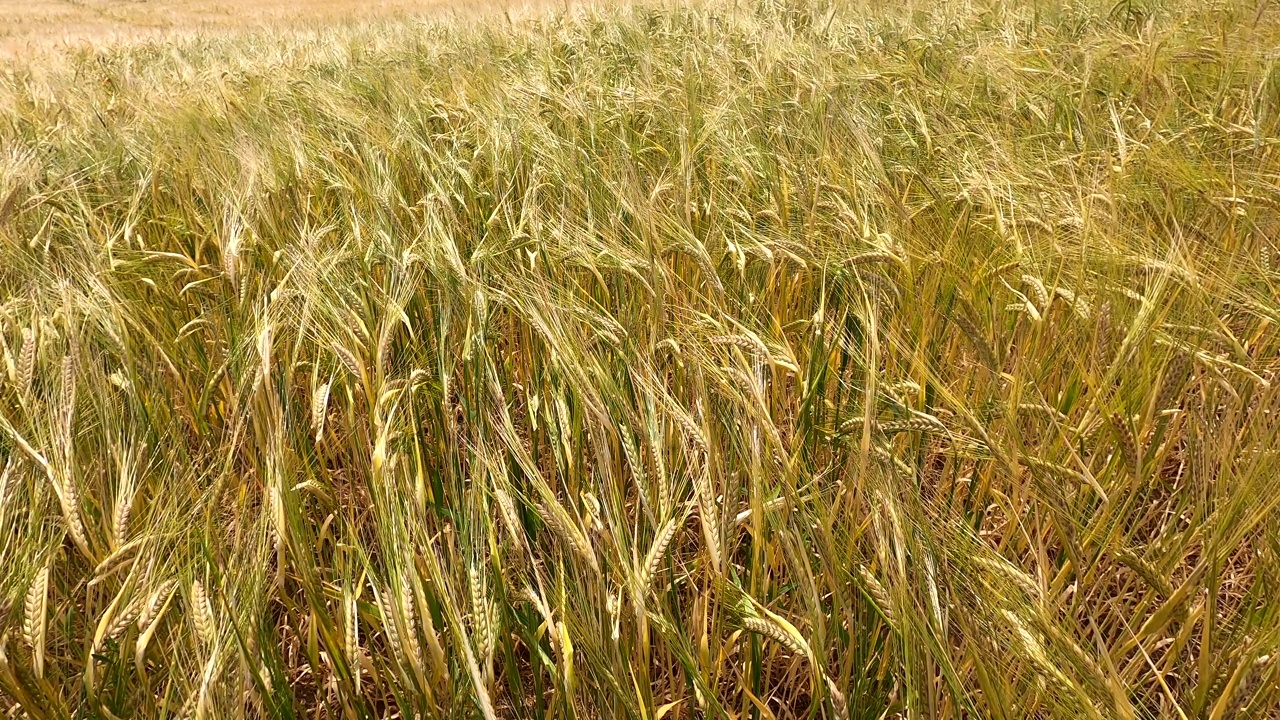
(202, 612)
(35, 617)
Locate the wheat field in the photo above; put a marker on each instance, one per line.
(38, 28)
(755, 360)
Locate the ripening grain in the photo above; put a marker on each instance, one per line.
(763, 360)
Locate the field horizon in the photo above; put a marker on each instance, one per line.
(756, 360)
(41, 30)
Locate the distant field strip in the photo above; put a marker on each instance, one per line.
(34, 27)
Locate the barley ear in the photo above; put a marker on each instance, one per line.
(1038, 291)
(775, 632)
(838, 701)
(116, 561)
(878, 595)
(1129, 451)
(658, 553)
(202, 612)
(123, 620)
(708, 514)
(986, 355)
(70, 498)
(68, 398)
(561, 524)
(26, 360)
(319, 409)
(35, 611)
(156, 604)
(120, 516)
(389, 628)
(8, 479)
(412, 648)
(480, 622)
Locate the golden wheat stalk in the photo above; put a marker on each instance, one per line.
(1128, 445)
(1035, 649)
(122, 620)
(10, 367)
(26, 360)
(660, 473)
(838, 701)
(116, 561)
(149, 621)
(480, 622)
(1043, 409)
(120, 514)
(120, 613)
(70, 497)
(188, 709)
(878, 595)
(874, 256)
(1172, 380)
(1158, 580)
(412, 648)
(1059, 636)
(510, 519)
(788, 637)
(1077, 303)
(635, 463)
(202, 613)
(1038, 291)
(658, 552)
(35, 617)
(8, 481)
(1011, 572)
(919, 422)
(749, 344)
(350, 362)
(979, 341)
(156, 603)
(691, 431)
(439, 660)
(562, 525)
(319, 409)
(708, 513)
(389, 626)
(67, 402)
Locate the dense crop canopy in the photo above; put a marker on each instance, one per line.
(770, 361)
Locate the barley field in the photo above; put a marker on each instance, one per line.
(759, 360)
(33, 27)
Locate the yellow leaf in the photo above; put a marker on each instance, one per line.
(662, 711)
